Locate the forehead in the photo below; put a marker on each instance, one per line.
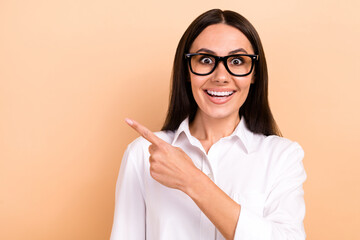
(221, 39)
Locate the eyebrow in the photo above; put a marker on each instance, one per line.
(205, 50)
(238, 50)
(212, 52)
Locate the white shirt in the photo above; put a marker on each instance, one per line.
(264, 174)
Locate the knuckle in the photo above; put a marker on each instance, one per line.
(165, 146)
(153, 174)
(155, 156)
(145, 134)
(152, 168)
(151, 171)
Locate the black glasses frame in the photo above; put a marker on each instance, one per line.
(224, 60)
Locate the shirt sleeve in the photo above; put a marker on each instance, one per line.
(284, 208)
(129, 216)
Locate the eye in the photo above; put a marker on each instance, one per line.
(206, 60)
(236, 61)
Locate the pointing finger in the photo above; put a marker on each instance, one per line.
(145, 132)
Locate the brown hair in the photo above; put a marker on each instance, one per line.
(255, 109)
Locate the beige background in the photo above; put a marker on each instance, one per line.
(71, 71)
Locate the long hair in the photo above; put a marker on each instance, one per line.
(255, 109)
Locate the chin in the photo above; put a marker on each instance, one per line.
(221, 114)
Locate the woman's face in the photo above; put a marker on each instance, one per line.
(220, 40)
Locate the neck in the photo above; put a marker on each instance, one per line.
(210, 130)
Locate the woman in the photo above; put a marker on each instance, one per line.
(218, 169)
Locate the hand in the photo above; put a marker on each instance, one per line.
(169, 165)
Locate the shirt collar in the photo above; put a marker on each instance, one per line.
(183, 127)
(241, 132)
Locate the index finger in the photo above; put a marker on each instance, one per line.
(144, 131)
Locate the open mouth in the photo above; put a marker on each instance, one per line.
(219, 94)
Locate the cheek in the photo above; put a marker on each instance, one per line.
(244, 87)
(196, 84)
(244, 83)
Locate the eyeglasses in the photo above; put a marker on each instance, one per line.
(204, 64)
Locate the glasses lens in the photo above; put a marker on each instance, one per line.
(202, 64)
(239, 65)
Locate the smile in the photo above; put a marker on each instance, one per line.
(219, 97)
(219, 94)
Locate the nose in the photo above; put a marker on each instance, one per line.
(221, 75)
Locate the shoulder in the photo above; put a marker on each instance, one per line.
(279, 149)
(275, 143)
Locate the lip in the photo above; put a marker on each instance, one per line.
(220, 89)
(219, 100)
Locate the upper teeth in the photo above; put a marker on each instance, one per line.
(219, 93)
